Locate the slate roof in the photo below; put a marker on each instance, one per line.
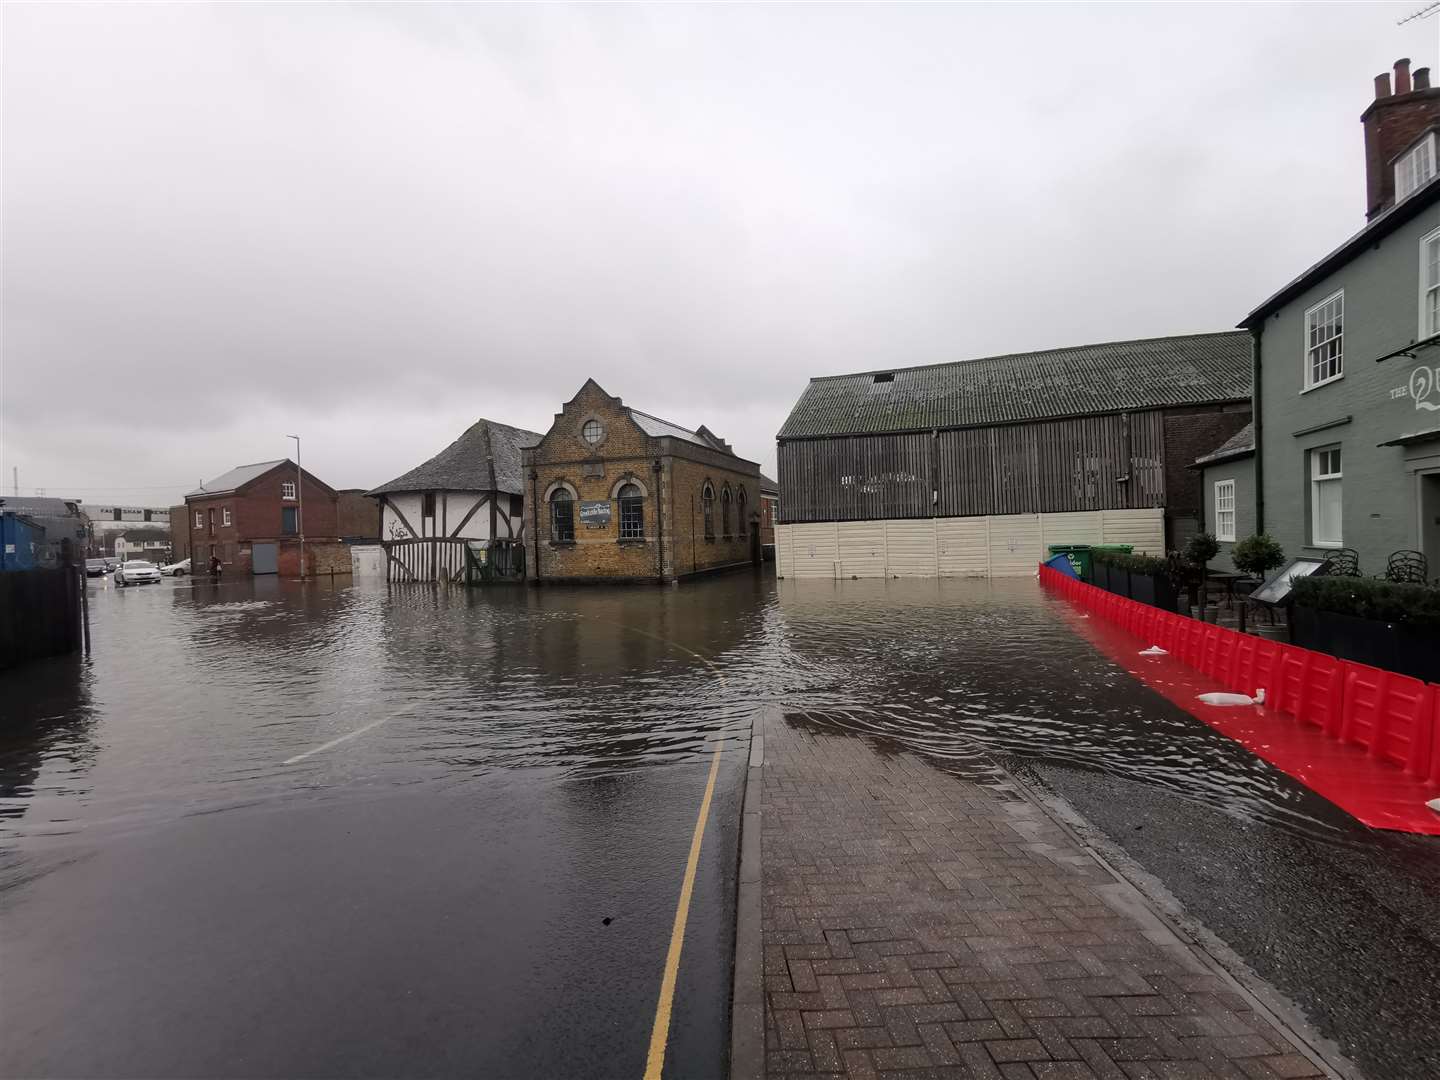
(236, 478)
(1238, 445)
(1083, 380)
(768, 486)
(485, 458)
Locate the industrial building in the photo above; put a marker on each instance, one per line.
(972, 468)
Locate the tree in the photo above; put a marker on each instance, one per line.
(1257, 554)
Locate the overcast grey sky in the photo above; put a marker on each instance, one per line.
(371, 224)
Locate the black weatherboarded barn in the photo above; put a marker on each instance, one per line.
(1093, 427)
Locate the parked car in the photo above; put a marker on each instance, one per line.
(177, 569)
(98, 567)
(137, 572)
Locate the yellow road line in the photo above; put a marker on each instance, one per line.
(655, 1061)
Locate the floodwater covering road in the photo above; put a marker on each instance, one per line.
(274, 829)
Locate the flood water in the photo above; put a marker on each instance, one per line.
(356, 830)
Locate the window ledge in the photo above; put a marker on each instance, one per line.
(1326, 545)
(632, 542)
(1324, 382)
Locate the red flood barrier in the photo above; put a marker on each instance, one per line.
(1366, 739)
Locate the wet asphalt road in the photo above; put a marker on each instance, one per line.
(428, 896)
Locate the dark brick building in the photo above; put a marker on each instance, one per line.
(616, 494)
(252, 518)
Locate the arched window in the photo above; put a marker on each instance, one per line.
(707, 500)
(740, 513)
(632, 513)
(562, 516)
(726, 521)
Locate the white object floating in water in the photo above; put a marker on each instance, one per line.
(1228, 699)
(1434, 804)
(1154, 650)
(1260, 696)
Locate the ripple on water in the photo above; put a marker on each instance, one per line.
(196, 700)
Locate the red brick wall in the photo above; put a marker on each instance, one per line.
(255, 514)
(357, 516)
(1189, 434)
(1392, 124)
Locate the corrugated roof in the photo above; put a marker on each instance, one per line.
(1238, 445)
(485, 458)
(236, 478)
(1082, 380)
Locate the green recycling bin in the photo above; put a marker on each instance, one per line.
(1079, 556)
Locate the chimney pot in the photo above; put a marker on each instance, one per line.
(1422, 78)
(1382, 86)
(1402, 76)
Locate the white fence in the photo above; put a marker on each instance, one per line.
(999, 546)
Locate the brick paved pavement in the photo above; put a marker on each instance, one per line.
(920, 925)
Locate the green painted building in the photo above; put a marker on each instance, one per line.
(1346, 439)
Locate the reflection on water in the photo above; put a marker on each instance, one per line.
(198, 694)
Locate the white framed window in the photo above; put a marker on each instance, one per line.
(1415, 168)
(1430, 284)
(1225, 510)
(287, 489)
(1325, 479)
(1325, 341)
(225, 516)
(199, 520)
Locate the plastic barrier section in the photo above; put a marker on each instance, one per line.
(1367, 740)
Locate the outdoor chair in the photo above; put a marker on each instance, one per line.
(1343, 562)
(1408, 568)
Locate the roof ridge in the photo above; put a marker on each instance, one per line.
(1033, 353)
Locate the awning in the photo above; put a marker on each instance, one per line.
(1414, 437)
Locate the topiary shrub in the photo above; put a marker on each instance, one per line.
(1201, 549)
(1257, 554)
(1416, 606)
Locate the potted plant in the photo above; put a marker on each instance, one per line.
(1201, 548)
(1257, 555)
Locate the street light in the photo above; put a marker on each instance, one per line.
(299, 503)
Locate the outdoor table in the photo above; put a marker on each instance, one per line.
(1227, 578)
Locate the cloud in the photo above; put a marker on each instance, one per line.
(372, 224)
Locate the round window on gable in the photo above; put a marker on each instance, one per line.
(592, 431)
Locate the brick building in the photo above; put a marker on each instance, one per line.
(769, 515)
(253, 517)
(618, 495)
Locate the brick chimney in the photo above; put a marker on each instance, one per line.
(1392, 122)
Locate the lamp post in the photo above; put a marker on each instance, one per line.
(299, 503)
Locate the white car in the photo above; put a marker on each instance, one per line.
(137, 572)
(177, 569)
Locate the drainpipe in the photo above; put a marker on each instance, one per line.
(1257, 418)
(659, 528)
(535, 519)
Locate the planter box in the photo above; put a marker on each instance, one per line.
(1367, 641)
(1153, 589)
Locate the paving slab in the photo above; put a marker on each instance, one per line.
(918, 923)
